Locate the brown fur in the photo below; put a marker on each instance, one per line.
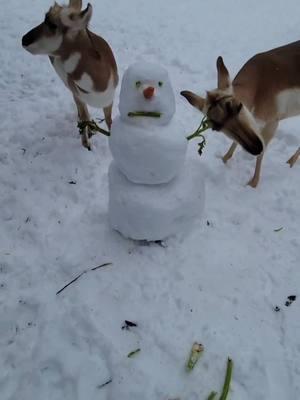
(96, 60)
(256, 87)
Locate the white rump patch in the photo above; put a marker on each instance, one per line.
(288, 103)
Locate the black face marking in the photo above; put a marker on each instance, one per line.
(32, 36)
(51, 25)
(224, 110)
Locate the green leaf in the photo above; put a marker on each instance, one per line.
(227, 381)
(212, 396)
(92, 126)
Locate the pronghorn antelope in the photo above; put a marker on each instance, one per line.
(248, 110)
(83, 60)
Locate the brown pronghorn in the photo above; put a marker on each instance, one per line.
(83, 60)
(248, 110)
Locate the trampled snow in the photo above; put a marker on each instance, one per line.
(218, 285)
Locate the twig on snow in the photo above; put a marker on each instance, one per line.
(133, 353)
(82, 273)
(279, 229)
(105, 384)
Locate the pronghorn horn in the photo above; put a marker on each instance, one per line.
(76, 4)
(76, 20)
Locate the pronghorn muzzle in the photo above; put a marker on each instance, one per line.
(32, 36)
(225, 114)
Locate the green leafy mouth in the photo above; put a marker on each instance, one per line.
(151, 114)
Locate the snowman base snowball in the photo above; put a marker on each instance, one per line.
(155, 212)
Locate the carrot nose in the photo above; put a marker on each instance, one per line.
(149, 92)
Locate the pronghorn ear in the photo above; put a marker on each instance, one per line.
(223, 75)
(77, 20)
(76, 4)
(195, 100)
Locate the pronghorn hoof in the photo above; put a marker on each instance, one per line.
(222, 158)
(253, 183)
(87, 145)
(225, 159)
(291, 162)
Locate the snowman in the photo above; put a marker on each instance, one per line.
(154, 192)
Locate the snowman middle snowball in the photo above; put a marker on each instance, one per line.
(146, 142)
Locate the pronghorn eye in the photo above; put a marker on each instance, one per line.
(160, 83)
(138, 84)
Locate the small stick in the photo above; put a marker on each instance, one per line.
(133, 353)
(227, 381)
(104, 384)
(278, 229)
(100, 266)
(212, 396)
(82, 273)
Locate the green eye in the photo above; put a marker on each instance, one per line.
(160, 83)
(138, 84)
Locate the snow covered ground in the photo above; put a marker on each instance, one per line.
(218, 285)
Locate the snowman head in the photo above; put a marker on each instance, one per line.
(146, 92)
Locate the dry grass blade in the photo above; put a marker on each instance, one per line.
(80, 275)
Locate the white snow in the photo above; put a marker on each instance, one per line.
(217, 286)
(147, 153)
(155, 212)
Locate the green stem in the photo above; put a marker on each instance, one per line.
(212, 396)
(196, 352)
(153, 114)
(92, 126)
(227, 381)
(204, 125)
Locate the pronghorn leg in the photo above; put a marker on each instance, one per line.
(255, 179)
(267, 133)
(83, 115)
(107, 114)
(294, 158)
(229, 153)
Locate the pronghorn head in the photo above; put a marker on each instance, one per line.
(59, 22)
(227, 114)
